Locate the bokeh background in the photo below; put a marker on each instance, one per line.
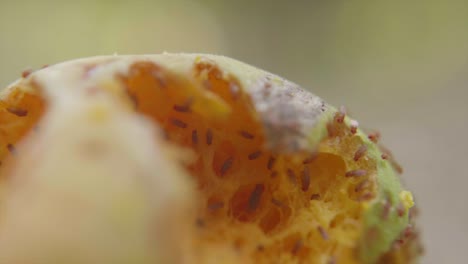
(400, 66)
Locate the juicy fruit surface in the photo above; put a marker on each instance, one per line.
(256, 204)
(20, 112)
(269, 206)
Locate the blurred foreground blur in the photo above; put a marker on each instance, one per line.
(398, 66)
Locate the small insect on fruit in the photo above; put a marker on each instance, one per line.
(360, 152)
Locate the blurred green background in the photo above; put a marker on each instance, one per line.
(400, 66)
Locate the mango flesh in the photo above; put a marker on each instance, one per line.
(279, 176)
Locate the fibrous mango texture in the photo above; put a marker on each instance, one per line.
(188, 158)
